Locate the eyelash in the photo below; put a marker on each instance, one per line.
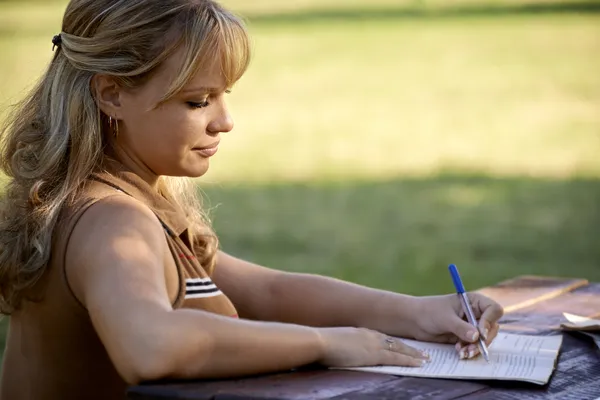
(204, 104)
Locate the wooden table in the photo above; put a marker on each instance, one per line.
(532, 305)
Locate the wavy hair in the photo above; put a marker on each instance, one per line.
(54, 139)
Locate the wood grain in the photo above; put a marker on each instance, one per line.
(526, 291)
(313, 384)
(415, 388)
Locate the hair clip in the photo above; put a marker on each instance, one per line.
(56, 41)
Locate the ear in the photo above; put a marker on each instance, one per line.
(107, 93)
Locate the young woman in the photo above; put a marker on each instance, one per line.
(109, 269)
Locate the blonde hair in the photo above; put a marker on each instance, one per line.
(54, 138)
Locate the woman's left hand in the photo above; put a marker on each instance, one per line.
(442, 319)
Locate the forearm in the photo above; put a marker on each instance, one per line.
(316, 300)
(202, 345)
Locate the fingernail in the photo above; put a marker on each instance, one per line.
(425, 355)
(485, 333)
(457, 346)
(473, 335)
(471, 353)
(423, 362)
(462, 354)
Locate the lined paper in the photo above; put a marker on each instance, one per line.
(512, 357)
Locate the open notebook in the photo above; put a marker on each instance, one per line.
(512, 357)
(584, 325)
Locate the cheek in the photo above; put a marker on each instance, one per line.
(172, 130)
(183, 131)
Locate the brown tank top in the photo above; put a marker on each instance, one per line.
(52, 350)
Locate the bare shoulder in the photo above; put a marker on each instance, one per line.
(116, 234)
(116, 213)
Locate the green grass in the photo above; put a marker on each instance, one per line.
(400, 234)
(499, 96)
(379, 143)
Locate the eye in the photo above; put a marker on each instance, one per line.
(193, 104)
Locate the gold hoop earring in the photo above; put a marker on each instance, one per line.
(114, 126)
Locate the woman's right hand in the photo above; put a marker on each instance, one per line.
(361, 347)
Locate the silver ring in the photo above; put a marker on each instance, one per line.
(390, 342)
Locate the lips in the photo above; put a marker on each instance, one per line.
(207, 151)
(210, 146)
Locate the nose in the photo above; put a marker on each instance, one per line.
(222, 121)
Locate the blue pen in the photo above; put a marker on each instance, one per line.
(460, 289)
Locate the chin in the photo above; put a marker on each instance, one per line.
(196, 170)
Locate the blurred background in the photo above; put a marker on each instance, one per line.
(378, 141)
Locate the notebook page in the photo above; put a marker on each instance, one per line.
(512, 357)
(577, 322)
(537, 346)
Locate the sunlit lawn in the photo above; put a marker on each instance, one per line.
(379, 151)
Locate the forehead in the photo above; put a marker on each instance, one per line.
(209, 75)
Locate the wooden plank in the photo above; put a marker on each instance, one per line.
(313, 384)
(526, 291)
(237, 397)
(546, 316)
(549, 315)
(415, 388)
(163, 392)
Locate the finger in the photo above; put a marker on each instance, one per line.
(492, 333)
(399, 346)
(472, 351)
(447, 338)
(485, 327)
(461, 348)
(466, 350)
(488, 310)
(402, 360)
(411, 351)
(464, 330)
(443, 338)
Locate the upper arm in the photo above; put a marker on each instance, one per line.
(248, 286)
(114, 264)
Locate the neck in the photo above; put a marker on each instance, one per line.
(133, 164)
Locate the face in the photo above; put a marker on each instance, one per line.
(178, 137)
